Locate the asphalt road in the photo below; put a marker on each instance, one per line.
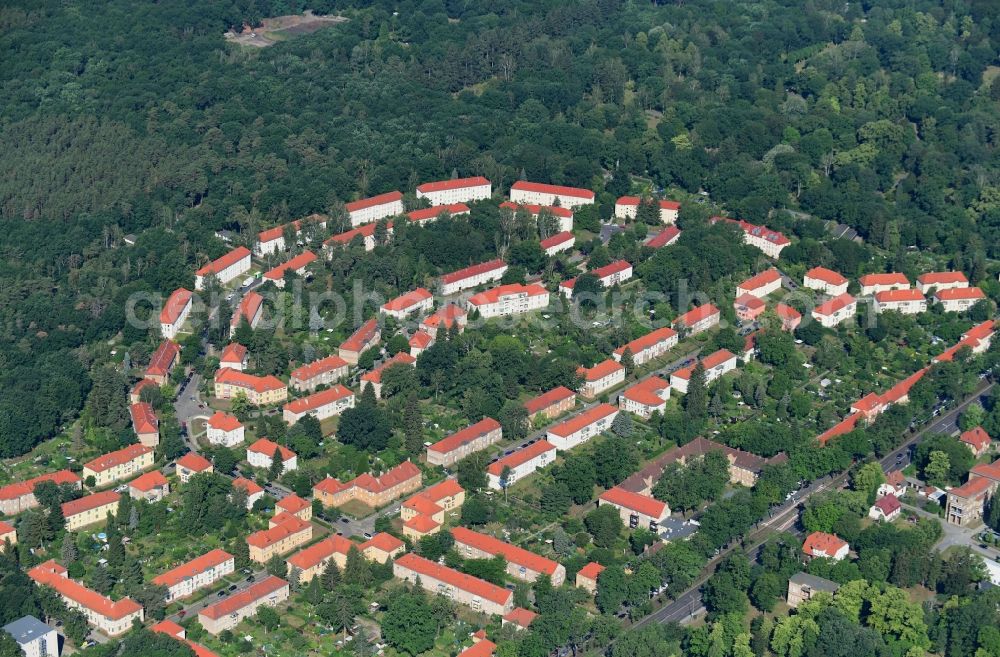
(195, 607)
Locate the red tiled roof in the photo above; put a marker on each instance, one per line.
(143, 418)
(234, 352)
(749, 301)
(883, 279)
(847, 425)
(664, 237)
(708, 362)
(117, 457)
(169, 628)
(534, 210)
(149, 481)
(267, 447)
(786, 312)
(557, 190)
(286, 525)
(957, 293)
(520, 456)
(225, 261)
(251, 487)
(980, 331)
(292, 504)
(895, 296)
(455, 183)
(821, 542)
(191, 568)
(318, 399)
(511, 553)
(763, 232)
(613, 268)
(224, 421)
(138, 387)
(482, 648)
(435, 211)
(601, 370)
(22, 488)
(367, 230)
(89, 502)
(547, 399)
(391, 478)
(420, 340)
(422, 523)
(760, 280)
(495, 294)
(441, 490)
(175, 304)
(520, 616)
(942, 277)
(422, 505)
(160, 361)
(408, 300)
(692, 317)
(834, 304)
(238, 601)
(645, 391)
(474, 270)
(467, 583)
(360, 338)
(295, 264)
(381, 199)
(634, 501)
(330, 486)
(240, 379)
(384, 542)
(194, 462)
(902, 389)
(466, 435)
(315, 554)
(248, 308)
(557, 239)
(977, 437)
(401, 358)
(446, 315)
(888, 504)
(828, 276)
(972, 488)
(868, 403)
(591, 570)
(53, 575)
(588, 417)
(6, 528)
(272, 234)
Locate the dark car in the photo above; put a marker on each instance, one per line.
(221, 593)
(232, 588)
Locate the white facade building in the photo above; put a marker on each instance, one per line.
(510, 299)
(225, 269)
(461, 190)
(369, 210)
(581, 428)
(523, 192)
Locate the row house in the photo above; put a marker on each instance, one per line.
(790, 317)
(562, 216)
(297, 265)
(519, 464)
(120, 464)
(234, 356)
(826, 281)
(474, 276)
(311, 561)
(835, 311)
(978, 339)
(942, 280)
(162, 362)
(958, 299)
(512, 299)
(234, 609)
(192, 464)
(748, 308)
(419, 342)
(285, 532)
(272, 240)
(761, 285)
(908, 301)
(646, 397)
(521, 564)
(374, 378)
(90, 510)
(534, 193)
(225, 430)
(698, 319)
(715, 365)
(321, 405)
(581, 428)
(771, 242)
(369, 210)
(459, 587)
(418, 300)
(652, 345)
(457, 446)
(627, 207)
(151, 487)
(199, 573)
(665, 237)
(253, 490)
(175, 311)
(433, 213)
(251, 309)
(820, 545)
(634, 509)
(373, 491)
(113, 618)
(457, 190)
(365, 233)
(259, 390)
(367, 336)
(445, 317)
(145, 424)
(424, 513)
(602, 376)
(551, 404)
(260, 454)
(224, 269)
(875, 283)
(564, 241)
(20, 495)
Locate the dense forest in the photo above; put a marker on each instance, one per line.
(138, 118)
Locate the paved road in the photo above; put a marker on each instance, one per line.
(188, 406)
(192, 609)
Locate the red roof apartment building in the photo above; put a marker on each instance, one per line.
(835, 311)
(460, 444)
(532, 193)
(635, 509)
(326, 403)
(285, 532)
(192, 464)
(627, 207)
(110, 617)
(296, 264)
(367, 336)
(826, 281)
(511, 299)
(374, 491)
(445, 317)
(313, 560)
(551, 404)
(521, 564)
(145, 424)
(162, 362)
(199, 573)
(225, 268)
(234, 356)
(224, 429)
(520, 464)
(563, 215)
(943, 280)
(151, 486)
(602, 376)
(120, 464)
(374, 378)
(90, 510)
(418, 300)
(698, 319)
(581, 428)
(260, 454)
(473, 276)
(174, 312)
(563, 241)
(771, 242)
(424, 513)
(715, 365)
(250, 308)
(457, 190)
(875, 283)
(958, 299)
(433, 213)
(231, 611)
(456, 586)
(650, 346)
(259, 390)
(665, 237)
(369, 210)
(20, 495)
(645, 397)
(908, 301)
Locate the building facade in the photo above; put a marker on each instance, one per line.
(120, 464)
(232, 610)
(459, 190)
(326, 403)
(581, 428)
(520, 464)
(459, 587)
(259, 390)
(199, 573)
(225, 269)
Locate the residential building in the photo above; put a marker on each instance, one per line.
(234, 356)
(803, 586)
(748, 308)
(151, 487)
(474, 276)
(457, 190)
(586, 577)
(424, 513)
(886, 509)
(613, 273)
(512, 299)
(120, 464)
(698, 319)
(419, 342)
(294, 505)
(135, 394)
(365, 233)
(520, 464)
(652, 345)
(253, 490)
(260, 454)
(225, 269)
(645, 397)
(602, 376)
(418, 300)
(445, 317)
(966, 503)
(908, 301)
(172, 629)
(826, 281)
(35, 638)
(835, 311)
(285, 532)
(581, 428)
(90, 510)
(296, 265)
(875, 283)
(8, 534)
(460, 444)
(369, 210)
(790, 317)
(761, 285)
(367, 336)
(381, 547)
(251, 309)
(162, 362)
(563, 216)
(823, 545)
(521, 564)
(234, 609)
(326, 403)
(715, 365)
(481, 647)
(895, 484)
(626, 207)
(111, 618)
(145, 424)
(551, 404)
(636, 509)
(374, 378)
(977, 440)
(958, 299)
(199, 573)
(259, 390)
(192, 464)
(943, 280)
(456, 586)
(524, 192)
(665, 237)
(520, 618)
(20, 495)
(771, 242)
(313, 560)
(564, 241)
(175, 311)
(433, 213)
(224, 429)
(272, 240)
